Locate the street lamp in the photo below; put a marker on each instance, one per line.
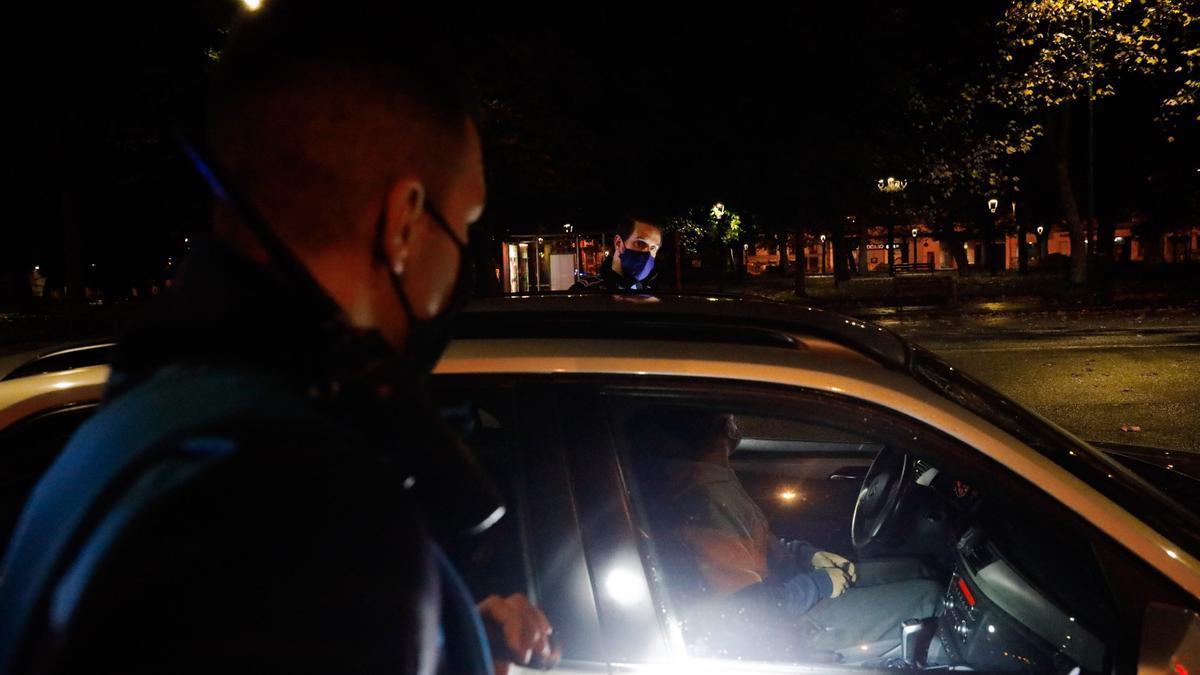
(718, 210)
(891, 187)
(914, 238)
(568, 228)
(989, 255)
(252, 5)
(822, 254)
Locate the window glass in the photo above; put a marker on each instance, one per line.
(493, 562)
(749, 506)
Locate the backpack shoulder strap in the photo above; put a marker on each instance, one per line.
(122, 437)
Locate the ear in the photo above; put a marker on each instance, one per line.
(402, 213)
(618, 244)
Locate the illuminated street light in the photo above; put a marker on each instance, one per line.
(1040, 230)
(914, 233)
(822, 254)
(718, 210)
(568, 228)
(989, 236)
(252, 5)
(891, 187)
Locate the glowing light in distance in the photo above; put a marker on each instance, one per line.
(252, 5)
(788, 495)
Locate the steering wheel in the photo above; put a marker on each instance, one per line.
(883, 488)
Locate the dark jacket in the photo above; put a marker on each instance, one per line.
(608, 281)
(299, 552)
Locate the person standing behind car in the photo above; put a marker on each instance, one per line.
(629, 266)
(258, 490)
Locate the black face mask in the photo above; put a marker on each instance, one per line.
(427, 338)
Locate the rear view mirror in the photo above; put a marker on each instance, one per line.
(1170, 641)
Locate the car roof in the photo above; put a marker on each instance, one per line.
(684, 317)
(63, 357)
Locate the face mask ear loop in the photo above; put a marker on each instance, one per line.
(397, 279)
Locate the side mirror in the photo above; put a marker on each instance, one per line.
(1170, 641)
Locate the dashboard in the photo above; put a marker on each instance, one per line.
(993, 618)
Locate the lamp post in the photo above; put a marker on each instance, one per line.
(1041, 231)
(822, 254)
(913, 260)
(989, 255)
(1022, 245)
(891, 187)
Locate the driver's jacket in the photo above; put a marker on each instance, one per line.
(731, 542)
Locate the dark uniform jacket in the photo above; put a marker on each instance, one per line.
(301, 551)
(609, 281)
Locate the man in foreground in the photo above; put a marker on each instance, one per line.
(259, 489)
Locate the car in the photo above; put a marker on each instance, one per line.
(1052, 555)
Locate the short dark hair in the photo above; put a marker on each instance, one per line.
(315, 104)
(628, 224)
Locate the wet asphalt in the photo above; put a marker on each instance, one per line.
(1119, 376)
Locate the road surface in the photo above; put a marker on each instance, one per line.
(1125, 377)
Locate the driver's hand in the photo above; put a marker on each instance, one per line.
(518, 633)
(826, 560)
(841, 581)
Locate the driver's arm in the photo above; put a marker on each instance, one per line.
(734, 565)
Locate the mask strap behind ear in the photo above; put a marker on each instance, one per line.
(280, 256)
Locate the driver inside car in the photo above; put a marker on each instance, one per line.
(754, 593)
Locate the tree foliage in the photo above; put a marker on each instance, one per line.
(1058, 51)
(702, 228)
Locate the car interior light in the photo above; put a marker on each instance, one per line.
(623, 586)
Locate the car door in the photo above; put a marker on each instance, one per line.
(518, 427)
(1048, 591)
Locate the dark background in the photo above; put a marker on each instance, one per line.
(787, 111)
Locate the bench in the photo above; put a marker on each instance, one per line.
(914, 268)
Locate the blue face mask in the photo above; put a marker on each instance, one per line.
(636, 265)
